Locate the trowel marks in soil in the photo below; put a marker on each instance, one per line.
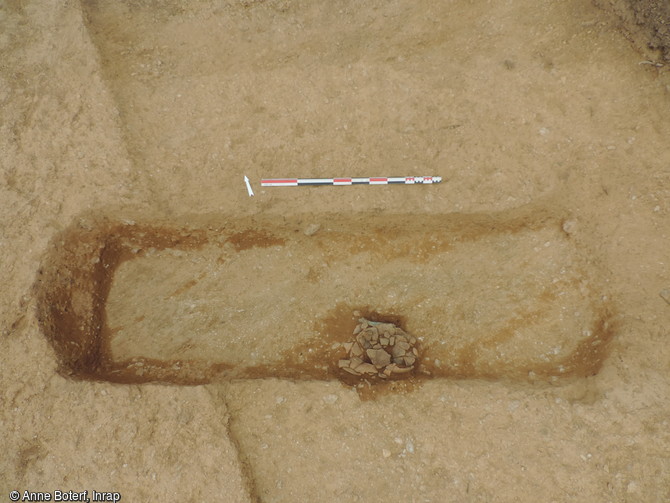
(492, 296)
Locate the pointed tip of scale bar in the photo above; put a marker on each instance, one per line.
(249, 189)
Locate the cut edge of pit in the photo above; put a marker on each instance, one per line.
(73, 282)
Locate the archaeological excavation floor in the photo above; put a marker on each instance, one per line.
(495, 337)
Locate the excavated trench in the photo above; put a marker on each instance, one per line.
(505, 295)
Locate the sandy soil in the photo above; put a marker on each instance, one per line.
(170, 338)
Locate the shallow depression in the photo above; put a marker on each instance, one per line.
(503, 295)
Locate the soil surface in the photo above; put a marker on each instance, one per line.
(647, 22)
(168, 337)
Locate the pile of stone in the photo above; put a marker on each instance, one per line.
(379, 349)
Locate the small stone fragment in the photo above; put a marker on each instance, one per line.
(399, 350)
(312, 229)
(351, 371)
(330, 399)
(366, 368)
(365, 343)
(343, 363)
(665, 294)
(379, 357)
(384, 341)
(569, 226)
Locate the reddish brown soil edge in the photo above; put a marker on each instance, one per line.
(74, 282)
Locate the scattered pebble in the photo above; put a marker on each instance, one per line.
(569, 226)
(665, 294)
(330, 399)
(312, 229)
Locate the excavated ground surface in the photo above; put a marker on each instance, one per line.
(168, 337)
(493, 296)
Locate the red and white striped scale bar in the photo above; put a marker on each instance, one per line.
(381, 180)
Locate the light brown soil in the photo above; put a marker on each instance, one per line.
(167, 336)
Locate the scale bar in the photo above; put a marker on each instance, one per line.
(381, 180)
